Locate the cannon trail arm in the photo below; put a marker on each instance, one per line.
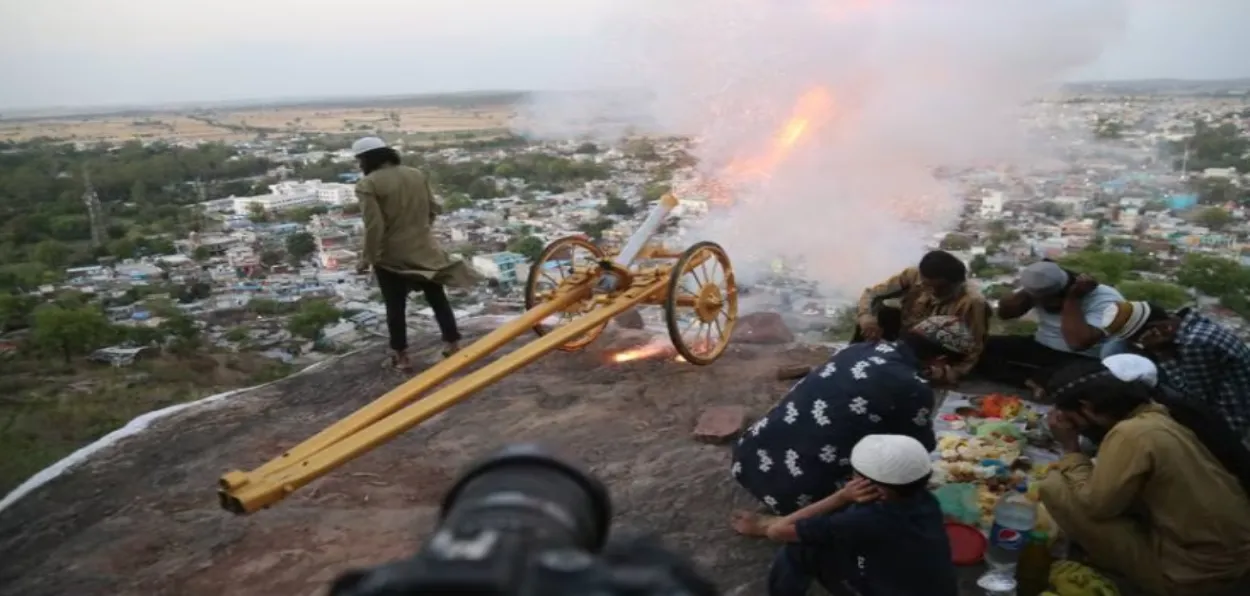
(391, 414)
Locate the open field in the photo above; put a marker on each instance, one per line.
(246, 123)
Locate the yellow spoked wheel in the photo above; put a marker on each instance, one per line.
(561, 267)
(702, 304)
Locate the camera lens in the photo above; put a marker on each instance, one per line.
(524, 488)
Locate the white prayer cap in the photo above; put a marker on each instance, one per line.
(1131, 367)
(367, 144)
(891, 459)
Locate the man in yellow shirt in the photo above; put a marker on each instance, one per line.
(1166, 505)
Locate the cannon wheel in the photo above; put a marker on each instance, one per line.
(701, 286)
(571, 255)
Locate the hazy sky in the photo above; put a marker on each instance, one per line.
(94, 52)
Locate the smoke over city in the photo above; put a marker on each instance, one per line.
(823, 120)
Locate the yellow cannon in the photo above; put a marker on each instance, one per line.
(574, 289)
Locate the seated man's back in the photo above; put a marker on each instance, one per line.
(799, 452)
(899, 546)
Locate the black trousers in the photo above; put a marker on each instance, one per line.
(395, 288)
(1015, 359)
(890, 320)
(796, 566)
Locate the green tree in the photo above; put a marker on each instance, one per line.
(161, 246)
(458, 200)
(311, 319)
(52, 253)
(1107, 128)
(595, 229)
(139, 192)
(269, 258)
(1107, 267)
(122, 248)
(25, 276)
(256, 212)
(70, 331)
(654, 191)
(1169, 296)
(642, 148)
(183, 333)
(530, 246)
(201, 254)
(1215, 218)
(956, 242)
(300, 246)
(483, 188)
(979, 265)
(265, 306)
(16, 310)
(617, 206)
(236, 334)
(1213, 276)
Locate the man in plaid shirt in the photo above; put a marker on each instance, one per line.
(1197, 356)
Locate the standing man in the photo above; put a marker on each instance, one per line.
(1198, 357)
(1069, 310)
(937, 287)
(399, 210)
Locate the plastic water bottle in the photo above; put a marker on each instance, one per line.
(1015, 516)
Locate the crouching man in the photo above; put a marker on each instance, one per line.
(880, 534)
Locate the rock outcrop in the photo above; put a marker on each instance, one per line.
(762, 328)
(142, 516)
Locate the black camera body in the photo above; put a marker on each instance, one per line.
(524, 523)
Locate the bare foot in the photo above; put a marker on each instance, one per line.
(750, 523)
(1039, 392)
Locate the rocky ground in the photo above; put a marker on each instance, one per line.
(142, 517)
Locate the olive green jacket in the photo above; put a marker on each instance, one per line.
(399, 211)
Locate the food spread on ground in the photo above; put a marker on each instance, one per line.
(992, 443)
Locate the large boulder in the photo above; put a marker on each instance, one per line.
(630, 319)
(720, 424)
(762, 328)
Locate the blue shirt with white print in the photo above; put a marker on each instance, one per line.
(800, 451)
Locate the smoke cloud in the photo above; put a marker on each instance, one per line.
(825, 119)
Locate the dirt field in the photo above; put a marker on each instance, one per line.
(245, 124)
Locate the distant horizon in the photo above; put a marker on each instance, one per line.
(64, 110)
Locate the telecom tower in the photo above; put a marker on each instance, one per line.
(95, 213)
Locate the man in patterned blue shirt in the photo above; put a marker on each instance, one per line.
(1198, 357)
(799, 452)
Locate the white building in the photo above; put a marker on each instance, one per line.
(273, 202)
(692, 205)
(506, 267)
(992, 204)
(335, 194)
(290, 194)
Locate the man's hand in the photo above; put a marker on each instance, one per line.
(750, 523)
(1064, 431)
(871, 330)
(859, 490)
(940, 374)
(1081, 288)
